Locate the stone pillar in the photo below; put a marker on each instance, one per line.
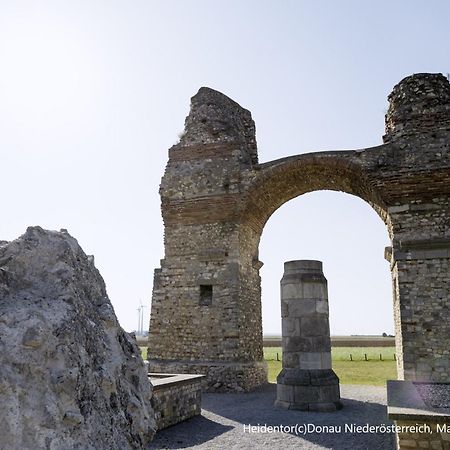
(306, 381)
(206, 304)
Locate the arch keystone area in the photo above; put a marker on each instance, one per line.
(216, 198)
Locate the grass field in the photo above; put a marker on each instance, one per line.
(343, 353)
(358, 371)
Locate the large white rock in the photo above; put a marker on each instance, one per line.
(70, 376)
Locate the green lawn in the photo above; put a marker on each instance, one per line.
(365, 372)
(343, 353)
(358, 371)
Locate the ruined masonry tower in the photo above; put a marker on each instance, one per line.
(306, 381)
(216, 198)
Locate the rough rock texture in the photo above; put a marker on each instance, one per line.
(70, 377)
(216, 199)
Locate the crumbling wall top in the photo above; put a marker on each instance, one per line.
(214, 118)
(418, 106)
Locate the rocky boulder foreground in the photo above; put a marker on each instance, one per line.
(70, 376)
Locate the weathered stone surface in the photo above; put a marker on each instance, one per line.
(216, 199)
(70, 377)
(315, 325)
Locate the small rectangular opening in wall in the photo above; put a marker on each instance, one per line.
(206, 294)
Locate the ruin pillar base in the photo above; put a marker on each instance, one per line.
(220, 376)
(308, 390)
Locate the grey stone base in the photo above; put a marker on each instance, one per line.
(308, 390)
(220, 376)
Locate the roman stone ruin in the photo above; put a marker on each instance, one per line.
(70, 376)
(216, 198)
(307, 381)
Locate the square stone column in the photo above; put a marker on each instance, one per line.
(306, 381)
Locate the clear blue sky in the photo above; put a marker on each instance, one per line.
(93, 93)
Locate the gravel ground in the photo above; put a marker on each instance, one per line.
(221, 425)
(435, 395)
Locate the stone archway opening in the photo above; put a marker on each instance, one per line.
(282, 181)
(349, 237)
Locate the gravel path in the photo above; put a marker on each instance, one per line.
(221, 425)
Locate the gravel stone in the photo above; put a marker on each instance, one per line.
(436, 395)
(221, 425)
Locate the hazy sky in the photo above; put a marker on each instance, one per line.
(93, 93)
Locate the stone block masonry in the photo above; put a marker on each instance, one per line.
(306, 381)
(216, 198)
(175, 398)
(200, 190)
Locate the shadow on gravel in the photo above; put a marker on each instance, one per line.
(256, 408)
(195, 431)
(225, 415)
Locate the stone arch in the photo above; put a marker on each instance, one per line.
(281, 180)
(276, 183)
